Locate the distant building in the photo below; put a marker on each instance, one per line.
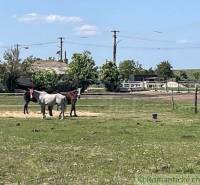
(24, 83)
(140, 78)
(41, 65)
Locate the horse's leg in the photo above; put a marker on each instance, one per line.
(63, 107)
(43, 111)
(50, 110)
(71, 110)
(61, 116)
(74, 107)
(26, 107)
(75, 110)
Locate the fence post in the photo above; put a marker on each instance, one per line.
(178, 87)
(166, 86)
(195, 101)
(173, 104)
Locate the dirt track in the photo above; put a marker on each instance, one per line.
(19, 114)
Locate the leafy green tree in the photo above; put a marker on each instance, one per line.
(164, 70)
(2, 73)
(12, 68)
(150, 71)
(183, 75)
(26, 65)
(109, 76)
(45, 80)
(82, 70)
(196, 75)
(129, 67)
(51, 58)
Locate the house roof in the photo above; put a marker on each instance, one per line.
(57, 66)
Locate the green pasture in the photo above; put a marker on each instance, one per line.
(110, 148)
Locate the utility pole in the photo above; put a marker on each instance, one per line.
(17, 49)
(61, 48)
(114, 44)
(66, 60)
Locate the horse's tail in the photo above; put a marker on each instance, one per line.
(65, 102)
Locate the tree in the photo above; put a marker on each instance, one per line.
(51, 58)
(164, 70)
(82, 70)
(150, 71)
(129, 67)
(183, 75)
(12, 67)
(109, 76)
(196, 75)
(45, 80)
(2, 72)
(26, 65)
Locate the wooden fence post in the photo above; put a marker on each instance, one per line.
(195, 100)
(173, 104)
(166, 86)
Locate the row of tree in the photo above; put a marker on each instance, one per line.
(81, 72)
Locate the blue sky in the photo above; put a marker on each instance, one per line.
(150, 30)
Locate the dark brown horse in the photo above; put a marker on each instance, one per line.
(28, 98)
(72, 97)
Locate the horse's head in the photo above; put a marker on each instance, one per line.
(31, 93)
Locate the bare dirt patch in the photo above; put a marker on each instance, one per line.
(19, 114)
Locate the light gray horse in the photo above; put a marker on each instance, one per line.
(49, 99)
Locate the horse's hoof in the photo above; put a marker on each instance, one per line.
(75, 115)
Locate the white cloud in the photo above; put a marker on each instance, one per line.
(51, 18)
(87, 30)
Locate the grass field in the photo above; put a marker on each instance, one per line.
(106, 149)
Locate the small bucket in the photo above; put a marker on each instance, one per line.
(154, 116)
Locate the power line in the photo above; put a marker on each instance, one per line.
(147, 39)
(88, 44)
(106, 46)
(40, 44)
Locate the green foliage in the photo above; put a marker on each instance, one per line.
(189, 72)
(45, 79)
(164, 70)
(26, 65)
(2, 72)
(196, 75)
(109, 76)
(180, 75)
(183, 75)
(129, 67)
(51, 58)
(82, 71)
(12, 67)
(150, 71)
